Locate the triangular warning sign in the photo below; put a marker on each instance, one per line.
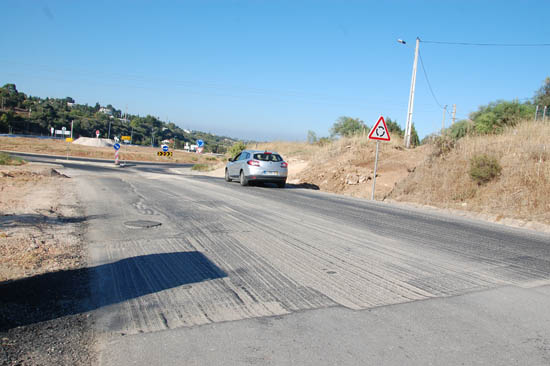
(380, 131)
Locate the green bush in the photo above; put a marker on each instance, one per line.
(484, 168)
(460, 129)
(236, 148)
(494, 117)
(347, 127)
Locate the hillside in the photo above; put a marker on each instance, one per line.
(28, 115)
(520, 191)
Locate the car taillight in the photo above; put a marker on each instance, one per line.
(253, 162)
(284, 164)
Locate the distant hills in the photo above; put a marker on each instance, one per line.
(22, 114)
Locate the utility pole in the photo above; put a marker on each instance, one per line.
(454, 113)
(152, 131)
(443, 122)
(408, 126)
(544, 114)
(536, 112)
(109, 135)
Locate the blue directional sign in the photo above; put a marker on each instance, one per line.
(164, 147)
(200, 143)
(116, 146)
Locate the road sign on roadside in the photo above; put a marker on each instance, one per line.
(164, 148)
(125, 138)
(380, 131)
(69, 139)
(97, 133)
(116, 146)
(164, 153)
(200, 143)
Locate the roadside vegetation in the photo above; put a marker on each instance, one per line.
(504, 175)
(202, 167)
(6, 159)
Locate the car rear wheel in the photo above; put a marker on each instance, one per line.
(244, 181)
(227, 178)
(281, 184)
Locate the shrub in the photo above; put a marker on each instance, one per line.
(460, 129)
(324, 141)
(347, 127)
(442, 145)
(201, 167)
(6, 159)
(494, 117)
(236, 148)
(484, 168)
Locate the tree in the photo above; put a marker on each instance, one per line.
(311, 137)
(393, 127)
(347, 126)
(4, 123)
(495, 116)
(415, 140)
(236, 148)
(542, 96)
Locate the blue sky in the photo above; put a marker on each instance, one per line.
(271, 70)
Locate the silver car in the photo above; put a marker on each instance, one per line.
(257, 166)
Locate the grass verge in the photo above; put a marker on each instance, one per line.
(6, 159)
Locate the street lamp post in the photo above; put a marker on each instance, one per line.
(408, 126)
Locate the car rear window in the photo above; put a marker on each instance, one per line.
(268, 157)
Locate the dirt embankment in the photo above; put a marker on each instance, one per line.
(346, 166)
(521, 191)
(43, 275)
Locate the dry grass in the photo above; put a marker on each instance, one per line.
(59, 147)
(346, 165)
(522, 190)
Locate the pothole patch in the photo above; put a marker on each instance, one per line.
(142, 224)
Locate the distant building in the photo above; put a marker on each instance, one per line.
(106, 111)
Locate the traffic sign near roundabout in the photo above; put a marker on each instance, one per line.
(116, 146)
(164, 148)
(200, 143)
(380, 131)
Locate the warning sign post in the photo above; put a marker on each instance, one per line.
(379, 133)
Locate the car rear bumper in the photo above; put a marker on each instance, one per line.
(266, 178)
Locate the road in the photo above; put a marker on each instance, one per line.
(264, 276)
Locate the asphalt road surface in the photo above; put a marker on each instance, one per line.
(265, 276)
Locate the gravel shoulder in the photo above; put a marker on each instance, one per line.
(44, 283)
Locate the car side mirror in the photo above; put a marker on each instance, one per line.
(230, 159)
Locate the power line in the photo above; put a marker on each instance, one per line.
(491, 44)
(428, 80)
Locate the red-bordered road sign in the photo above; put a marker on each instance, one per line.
(380, 131)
